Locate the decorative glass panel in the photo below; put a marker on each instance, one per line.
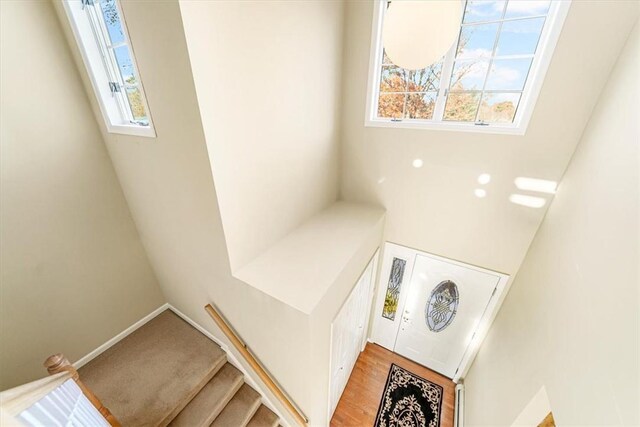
(441, 306)
(393, 288)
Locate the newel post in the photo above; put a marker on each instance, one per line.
(59, 363)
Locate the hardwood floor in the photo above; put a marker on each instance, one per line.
(358, 405)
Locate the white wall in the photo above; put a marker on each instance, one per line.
(433, 208)
(571, 320)
(74, 273)
(267, 74)
(170, 190)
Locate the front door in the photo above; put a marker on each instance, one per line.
(442, 310)
(433, 310)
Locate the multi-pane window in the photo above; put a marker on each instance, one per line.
(484, 81)
(101, 33)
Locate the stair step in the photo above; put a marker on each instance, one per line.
(240, 408)
(207, 405)
(264, 417)
(151, 375)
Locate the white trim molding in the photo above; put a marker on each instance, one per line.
(122, 335)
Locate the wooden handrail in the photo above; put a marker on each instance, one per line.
(59, 363)
(256, 365)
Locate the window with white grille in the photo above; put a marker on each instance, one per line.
(488, 81)
(101, 34)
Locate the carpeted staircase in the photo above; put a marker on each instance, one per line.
(168, 373)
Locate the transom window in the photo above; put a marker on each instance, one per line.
(100, 31)
(489, 79)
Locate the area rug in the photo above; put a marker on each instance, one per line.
(409, 401)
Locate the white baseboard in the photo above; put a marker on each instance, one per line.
(95, 353)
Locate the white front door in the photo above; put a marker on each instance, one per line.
(433, 310)
(443, 308)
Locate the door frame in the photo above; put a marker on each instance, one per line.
(381, 328)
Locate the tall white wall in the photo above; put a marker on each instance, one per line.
(571, 322)
(434, 208)
(73, 270)
(267, 75)
(170, 190)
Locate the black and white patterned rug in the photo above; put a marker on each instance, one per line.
(409, 401)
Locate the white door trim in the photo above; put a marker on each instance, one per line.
(392, 250)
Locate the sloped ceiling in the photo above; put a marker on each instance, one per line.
(434, 208)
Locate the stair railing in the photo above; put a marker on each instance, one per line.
(258, 367)
(58, 363)
(59, 399)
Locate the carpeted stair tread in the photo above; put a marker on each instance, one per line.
(240, 409)
(264, 417)
(211, 400)
(149, 377)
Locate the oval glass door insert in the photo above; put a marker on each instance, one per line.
(442, 306)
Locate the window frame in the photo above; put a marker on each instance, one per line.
(113, 109)
(555, 19)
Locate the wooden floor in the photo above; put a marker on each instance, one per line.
(358, 405)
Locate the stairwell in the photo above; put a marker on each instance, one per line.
(168, 373)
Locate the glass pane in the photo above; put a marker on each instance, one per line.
(483, 10)
(125, 65)
(112, 20)
(426, 79)
(469, 74)
(421, 105)
(477, 40)
(462, 107)
(508, 74)
(442, 306)
(519, 8)
(392, 79)
(520, 37)
(498, 107)
(137, 107)
(393, 289)
(385, 59)
(391, 105)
